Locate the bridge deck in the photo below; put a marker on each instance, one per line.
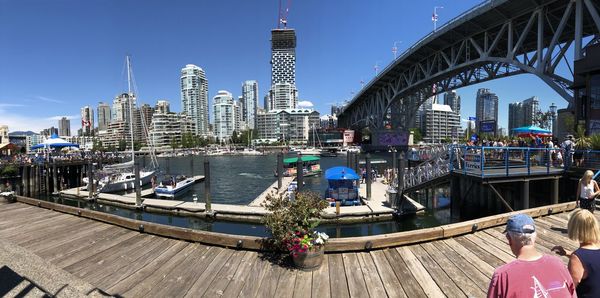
(512, 172)
(128, 263)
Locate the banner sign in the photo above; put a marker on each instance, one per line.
(472, 161)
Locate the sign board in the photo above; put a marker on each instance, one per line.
(392, 138)
(472, 118)
(487, 126)
(472, 161)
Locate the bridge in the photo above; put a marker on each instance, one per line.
(496, 39)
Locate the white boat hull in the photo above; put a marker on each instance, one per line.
(170, 191)
(126, 184)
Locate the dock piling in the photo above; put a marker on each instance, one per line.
(369, 179)
(525, 194)
(137, 184)
(555, 191)
(207, 185)
(299, 172)
(54, 177)
(90, 187)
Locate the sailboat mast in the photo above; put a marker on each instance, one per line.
(129, 98)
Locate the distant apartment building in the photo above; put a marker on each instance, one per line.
(486, 111)
(250, 103)
(3, 135)
(104, 116)
(329, 121)
(291, 125)
(167, 128)
(283, 93)
(238, 115)
(87, 121)
(64, 127)
(223, 115)
(522, 113)
(48, 132)
(452, 99)
(194, 97)
(118, 129)
(441, 124)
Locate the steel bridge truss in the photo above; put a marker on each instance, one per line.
(535, 43)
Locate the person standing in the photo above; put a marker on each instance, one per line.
(567, 146)
(584, 263)
(587, 190)
(532, 274)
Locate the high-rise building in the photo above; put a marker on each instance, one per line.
(267, 102)
(441, 124)
(121, 108)
(162, 106)
(238, 110)
(224, 115)
(64, 127)
(522, 113)
(283, 93)
(3, 135)
(194, 97)
(87, 121)
(452, 99)
(104, 116)
(250, 102)
(486, 108)
(122, 113)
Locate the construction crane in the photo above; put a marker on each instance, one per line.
(283, 13)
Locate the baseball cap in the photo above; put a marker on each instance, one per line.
(520, 223)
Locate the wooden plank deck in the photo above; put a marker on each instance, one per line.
(132, 264)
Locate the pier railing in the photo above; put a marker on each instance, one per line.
(508, 161)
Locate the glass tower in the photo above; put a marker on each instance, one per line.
(194, 97)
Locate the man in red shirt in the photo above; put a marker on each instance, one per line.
(532, 274)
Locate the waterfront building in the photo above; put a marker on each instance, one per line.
(238, 115)
(291, 125)
(224, 115)
(87, 121)
(163, 106)
(486, 108)
(48, 132)
(84, 142)
(441, 124)
(119, 127)
(452, 99)
(283, 93)
(167, 128)
(194, 97)
(104, 116)
(64, 127)
(523, 113)
(3, 135)
(250, 102)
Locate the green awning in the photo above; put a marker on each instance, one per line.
(304, 159)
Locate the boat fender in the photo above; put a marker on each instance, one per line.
(141, 228)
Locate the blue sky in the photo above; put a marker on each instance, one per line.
(58, 56)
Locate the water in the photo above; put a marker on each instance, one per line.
(240, 179)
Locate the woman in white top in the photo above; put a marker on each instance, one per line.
(587, 190)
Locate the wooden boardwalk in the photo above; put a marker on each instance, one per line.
(124, 262)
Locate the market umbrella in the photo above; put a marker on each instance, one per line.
(54, 142)
(341, 173)
(532, 130)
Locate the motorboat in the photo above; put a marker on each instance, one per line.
(329, 152)
(123, 181)
(174, 186)
(250, 152)
(310, 166)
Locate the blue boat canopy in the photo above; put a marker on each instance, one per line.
(531, 129)
(54, 142)
(341, 173)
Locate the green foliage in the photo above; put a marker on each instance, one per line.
(97, 145)
(122, 145)
(288, 216)
(137, 145)
(417, 136)
(595, 141)
(9, 171)
(582, 142)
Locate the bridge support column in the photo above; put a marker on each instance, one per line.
(525, 194)
(555, 191)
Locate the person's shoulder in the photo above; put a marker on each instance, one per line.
(553, 260)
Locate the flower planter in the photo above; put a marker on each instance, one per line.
(309, 260)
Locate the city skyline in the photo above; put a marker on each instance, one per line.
(326, 46)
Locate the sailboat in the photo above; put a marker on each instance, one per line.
(121, 177)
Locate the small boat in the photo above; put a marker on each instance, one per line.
(250, 152)
(173, 187)
(329, 152)
(306, 151)
(343, 186)
(310, 166)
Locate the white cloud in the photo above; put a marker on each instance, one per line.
(48, 99)
(305, 104)
(70, 117)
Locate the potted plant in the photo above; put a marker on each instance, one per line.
(292, 226)
(582, 144)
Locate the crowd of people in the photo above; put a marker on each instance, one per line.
(33, 158)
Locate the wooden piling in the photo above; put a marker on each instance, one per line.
(299, 172)
(555, 191)
(91, 184)
(54, 177)
(279, 170)
(207, 185)
(525, 194)
(137, 184)
(369, 176)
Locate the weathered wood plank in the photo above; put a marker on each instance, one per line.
(270, 280)
(489, 248)
(255, 278)
(472, 281)
(471, 256)
(337, 276)
(386, 272)
(86, 246)
(480, 252)
(303, 286)
(354, 275)
(222, 279)
(203, 283)
(420, 273)
(147, 284)
(458, 277)
(242, 275)
(67, 242)
(54, 238)
(439, 275)
(142, 275)
(285, 285)
(372, 279)
(321, 286)
(409, 284)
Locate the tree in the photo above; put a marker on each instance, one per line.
(137, 145)
(417, 136)
(543, 119)
(122, 145)
(174, 143)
